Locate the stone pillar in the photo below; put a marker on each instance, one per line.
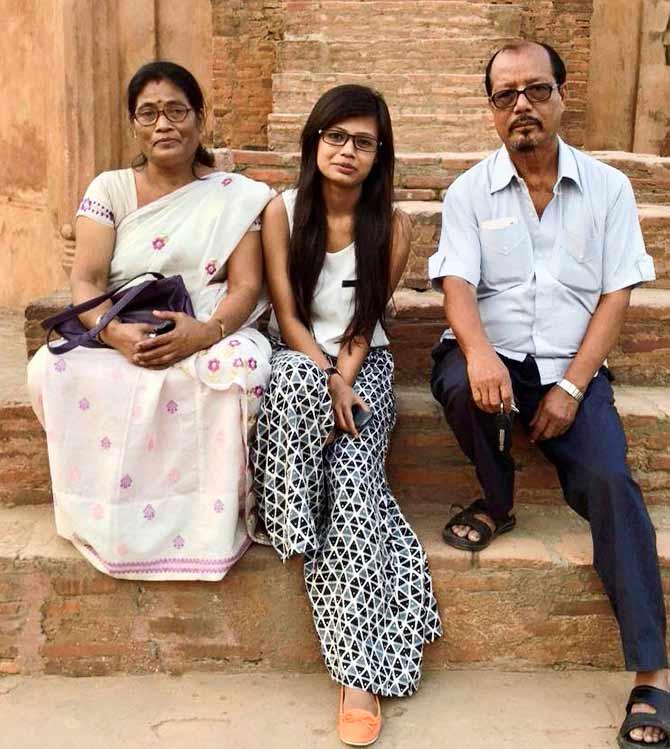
(652, 121)
(613, 74)
(84, 96)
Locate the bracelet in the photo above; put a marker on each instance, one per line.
(571, 389)
(97, 322)
(221, 325)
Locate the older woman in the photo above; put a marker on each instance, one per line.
(148, 437)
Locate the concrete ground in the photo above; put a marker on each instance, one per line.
(463, 710)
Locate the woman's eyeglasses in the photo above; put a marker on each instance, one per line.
(335, 137)
(150, 115)
(535, 93)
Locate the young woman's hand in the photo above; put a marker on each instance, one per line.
(188, 336)
(344, 399)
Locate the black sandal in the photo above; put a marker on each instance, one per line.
(659, 699)
(486, 535)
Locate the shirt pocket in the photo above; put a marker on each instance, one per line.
(580, 263)
(506, 254)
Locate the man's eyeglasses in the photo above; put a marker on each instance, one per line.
(535, 93)
(335, 137)
(150, 115)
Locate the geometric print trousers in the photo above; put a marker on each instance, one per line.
(366, 573)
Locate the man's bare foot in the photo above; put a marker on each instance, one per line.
(654, 679)
(464, 530)
(357, 699)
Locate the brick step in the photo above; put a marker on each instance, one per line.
(425, 176)
(421, 439)
(296, 93)
(412, 132)
(403, 55)
(641, 356)
(428, 20)
(529, 602)
(426, 465)
(426, 219)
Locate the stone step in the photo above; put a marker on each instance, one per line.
(550, 710)
(425, 176)
(412, 132)
(426, 465)
(428, 20)
(24, 466)
(530, 602)
(405, 55)
(641, 356)
(453, 93)
(426, 219)
(421, 438)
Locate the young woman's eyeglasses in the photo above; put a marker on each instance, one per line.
(335, 137)
(174, 113)
(535, 93)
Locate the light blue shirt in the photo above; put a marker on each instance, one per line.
(539, 280)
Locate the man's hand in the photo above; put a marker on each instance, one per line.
(554, 415)
(489, 381)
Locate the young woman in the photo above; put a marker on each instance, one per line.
(335, 250)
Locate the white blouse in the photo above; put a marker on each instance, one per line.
(333, 302)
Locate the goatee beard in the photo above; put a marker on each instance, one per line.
(523, 145)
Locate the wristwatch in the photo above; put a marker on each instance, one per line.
(330, 371)
(571, 389)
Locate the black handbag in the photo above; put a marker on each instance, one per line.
(130, 305)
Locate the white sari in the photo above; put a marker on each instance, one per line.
(150, 469)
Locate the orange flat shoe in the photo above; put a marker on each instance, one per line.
(358, 727)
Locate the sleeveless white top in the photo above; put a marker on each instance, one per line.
(333, 302)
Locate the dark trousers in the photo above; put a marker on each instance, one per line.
(590, 459)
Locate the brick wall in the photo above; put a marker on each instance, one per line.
(244, 53)
(273, 58)
(565, 24)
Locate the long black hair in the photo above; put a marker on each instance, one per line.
(162, 70)
(372, 219)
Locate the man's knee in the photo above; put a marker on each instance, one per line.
(610, 487)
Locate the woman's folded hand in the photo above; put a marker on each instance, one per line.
(188, 336)
(124, 337)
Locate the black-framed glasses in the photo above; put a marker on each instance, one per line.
(174, 112)
(535, 93)
(335, 137)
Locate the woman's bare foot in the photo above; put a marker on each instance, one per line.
(657, 679)
(357, 699)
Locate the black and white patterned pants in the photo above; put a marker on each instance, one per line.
(366, 573)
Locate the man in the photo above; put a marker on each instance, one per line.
(540, 248)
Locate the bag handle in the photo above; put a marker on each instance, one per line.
(75, 310)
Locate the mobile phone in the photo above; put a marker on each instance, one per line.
(164, 327)
(361, 416)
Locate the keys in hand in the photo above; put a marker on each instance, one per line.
(504, 423)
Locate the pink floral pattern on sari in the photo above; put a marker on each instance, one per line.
(159, 242)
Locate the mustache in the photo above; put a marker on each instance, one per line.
(522, 121)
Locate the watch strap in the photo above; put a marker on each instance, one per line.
(330, 371)
(571, 389)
